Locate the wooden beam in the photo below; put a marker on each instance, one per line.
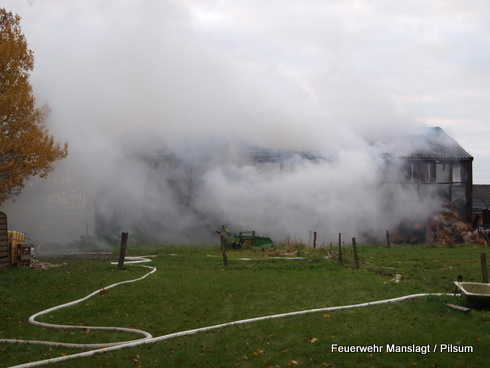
(457, 307)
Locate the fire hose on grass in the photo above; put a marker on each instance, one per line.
(148, 339)
(32, 319)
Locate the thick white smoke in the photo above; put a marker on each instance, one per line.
(160, 121)
(183, 195)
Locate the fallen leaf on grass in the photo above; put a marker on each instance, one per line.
(313, 340)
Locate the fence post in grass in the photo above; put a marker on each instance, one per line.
(223, 248)
(484, 269)
(354, 247)
(314, 240)
(340, 248)
(388, 238)
(122, 252)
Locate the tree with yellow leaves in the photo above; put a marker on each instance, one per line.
(26, 147)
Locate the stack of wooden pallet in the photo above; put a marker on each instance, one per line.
(20, 252)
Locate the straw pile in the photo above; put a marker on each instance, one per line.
(447, 228)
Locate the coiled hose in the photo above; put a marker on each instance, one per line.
(148, 339)
(32, 319)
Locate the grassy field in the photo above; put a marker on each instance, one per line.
(192, 289)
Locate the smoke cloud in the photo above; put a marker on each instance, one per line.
(164, 121)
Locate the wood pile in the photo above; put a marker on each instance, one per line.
(36, 265)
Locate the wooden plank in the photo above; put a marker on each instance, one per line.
(26, 245)
(457, 307)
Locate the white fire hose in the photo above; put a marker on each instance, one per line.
(148, 339)
(32, 319)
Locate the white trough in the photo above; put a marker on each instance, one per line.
(477, 294)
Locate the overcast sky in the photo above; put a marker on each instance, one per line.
(288, 71)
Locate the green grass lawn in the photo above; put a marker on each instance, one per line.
(192, 289)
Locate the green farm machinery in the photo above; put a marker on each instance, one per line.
(240, 239)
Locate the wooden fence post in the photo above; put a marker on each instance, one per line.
(388, 238)
(314, 240)
(340, 248)
(354, 247)
(223, 251)
(484, 268)
(223, 248)
(122, 252)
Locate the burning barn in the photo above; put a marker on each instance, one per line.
(173, 192)
(440, 162)
(440, 165)
(180, 192)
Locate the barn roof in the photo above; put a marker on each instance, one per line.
(436, 144)
(481, 197)
(260, 154)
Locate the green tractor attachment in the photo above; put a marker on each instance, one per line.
(240, 239)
